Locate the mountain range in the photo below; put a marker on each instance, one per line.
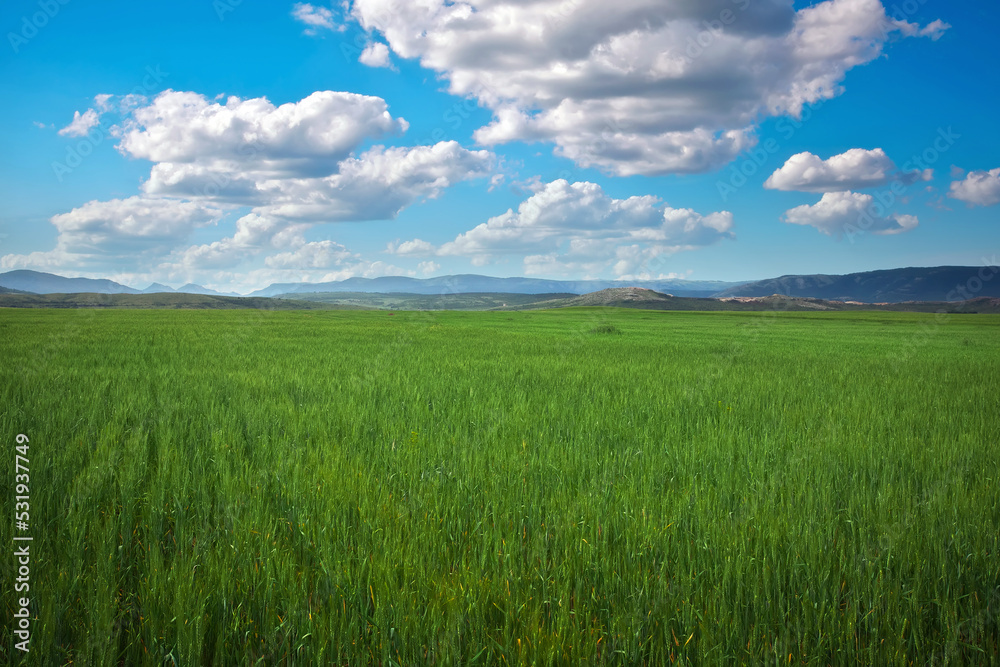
(464, 284)
(943, 283)
(37, 282)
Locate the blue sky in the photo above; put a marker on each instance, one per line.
(235, 144)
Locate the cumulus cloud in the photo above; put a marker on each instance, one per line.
(428, 268)
(121, 225)
(935, 29)
(639, 86)
(415, 247)
(854, 169)
(312, 255)
(289, 168)
(248, 280)
(295, 161)
(376, 185)
(81, 124)
(849, 214)
(123, 231)
(315, 18)
(578, 226)
(299, 138)
(375, 54)
(103, 101)
(979, 188)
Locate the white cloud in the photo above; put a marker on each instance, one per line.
(375, 54)
(576, 226)
(254, 234)
(313, 255)
(935, 30)
(132, 222)
(637, 86)
(289, 168)
(979, 188)
(850, 214)
(303, 138)
(428, 268)
(103, 102)
(376, 185)
(315, 18)
(81, 124)
(125, 232)
(245, 281)
(416, 247)
(295, 161)
(854, 169)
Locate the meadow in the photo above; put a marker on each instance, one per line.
(582, 486)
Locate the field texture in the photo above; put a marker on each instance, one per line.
(590, 486)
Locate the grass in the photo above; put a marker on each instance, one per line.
(360, 488)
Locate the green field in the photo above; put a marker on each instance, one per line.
(591, 486)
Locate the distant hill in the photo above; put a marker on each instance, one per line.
(650, 300)
(157, 300)
(633, 297)
(49, 283)
(7, 290)
(401, 301)
(157, 288)
(472, 284)
(474, 292)
(889, 286)
(628, 297)
(191, 288)
(37, 282)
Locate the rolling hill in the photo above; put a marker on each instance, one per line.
(629, 297)
(38, 282)
(471, 284)
(157, 301)
(402, 301)
(474, 292)
(942, 283)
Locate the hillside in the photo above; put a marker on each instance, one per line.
(630, 297)
(155, 301)
(402, 301)
(650, 300)
(474, 284)
(943, 283)
(38, 282)
(637, 298)
(475, 292)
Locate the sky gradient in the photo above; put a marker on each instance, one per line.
(237, 143)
